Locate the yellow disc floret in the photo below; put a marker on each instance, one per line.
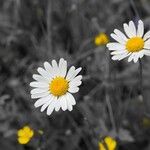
(135, 44)
(101, 39)
(58, 86)
(25, 134)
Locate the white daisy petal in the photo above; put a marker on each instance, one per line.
(43, 100)
(147, 44)
(47, 104)
(118, 52)
(136, 57)
(131, 57)
(51, 106)
(39, 84)
(128, 31)
(119, 56)
(44, 73)
(63, 103)
(75, 84)
(132, 28)
(58, 106)
(49, 69)
(39, 90)
(146, 36)
(146, 52)
(124, 55)
(71, 99)
(39, 95)
(69, 105)
(74, 74)
(73, 89)
(63, 67)
(39, 78)
(120, 34)
(140, 30)
(118, 39)
(115, 46)
(55, 68)
(76, 79)
(70, 72)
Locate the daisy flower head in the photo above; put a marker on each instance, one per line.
(25, 135)
(101, 39)
(134, 44)
(54, 86)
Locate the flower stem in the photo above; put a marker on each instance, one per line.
(141, 78)
(107, 94)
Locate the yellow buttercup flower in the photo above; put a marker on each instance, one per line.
(101, 39)
(25, 134)
(108, 144)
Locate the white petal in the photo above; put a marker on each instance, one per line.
(71, 99)
(63, 67)
(69, 105)
(73, 89)
(128, 31)
(47, 104)
(39, 78)
(131, 57)
(51, 106)
(44, 73)
(63, 102)
(115, 46)
(76, 79)
(58, 106)
(124, 55)
(118, 39)
(39, 95)
(39, 84)
(49, 69)
(140, 30)
(132, 27)
(56, 70)
(147, 44)
(42, 101)
(74, 74)
(75, 84)
(120, 34)
(70, 72)
(39, 90)
(136, 57)
(118, 52)
(119, 56)
(146, 36)
(146, 52)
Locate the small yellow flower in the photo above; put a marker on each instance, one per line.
(101, 39)
(25, 134)
(108, 142)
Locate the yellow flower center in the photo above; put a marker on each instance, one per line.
(135, 44)
(58, 86)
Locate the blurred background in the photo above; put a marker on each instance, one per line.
(34, 31)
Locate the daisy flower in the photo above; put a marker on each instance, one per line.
(54, 86)
(134, 45)
(25, 135)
